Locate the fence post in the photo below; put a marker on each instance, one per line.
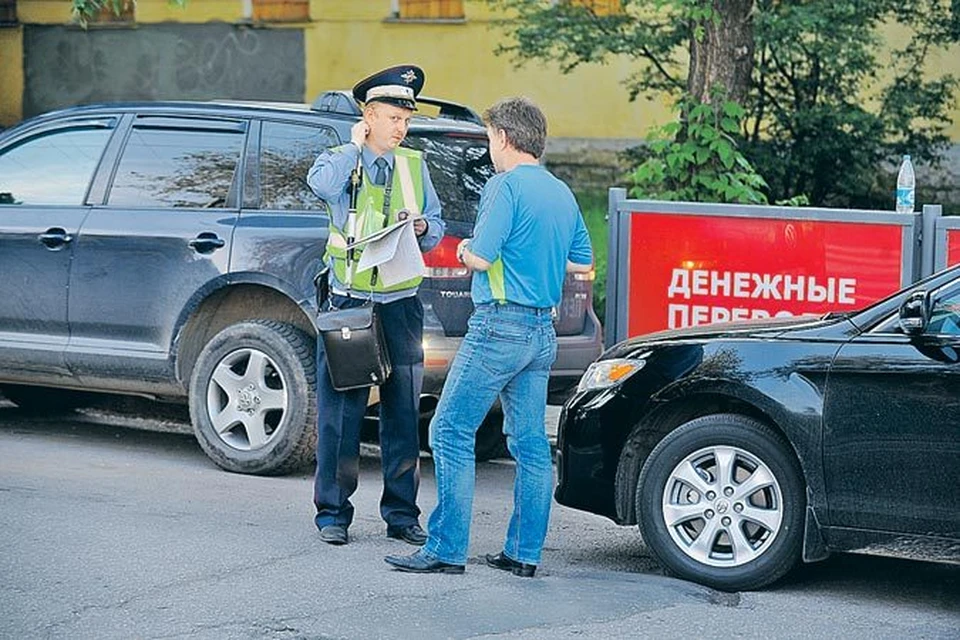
(615, 196)
(928, 238)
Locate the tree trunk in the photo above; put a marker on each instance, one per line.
(723, 56)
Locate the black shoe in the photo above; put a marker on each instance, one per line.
(334, 534)
(418, 562)
(411, 534)
(502, 561)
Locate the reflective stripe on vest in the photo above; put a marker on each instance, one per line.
(407, 185)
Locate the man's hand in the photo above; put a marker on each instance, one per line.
(419, 224)
(359, 133)
(461, 248)
(470, 261)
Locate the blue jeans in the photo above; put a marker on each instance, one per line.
(508, 351)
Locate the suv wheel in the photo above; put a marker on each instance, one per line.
(720, 501)
(253, 398)
(491, 443)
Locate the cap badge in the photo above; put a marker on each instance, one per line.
(409, 76)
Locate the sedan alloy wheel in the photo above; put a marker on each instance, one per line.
(722, 506)
(721, 501)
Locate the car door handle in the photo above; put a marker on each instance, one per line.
(55, 237)
(206, 242)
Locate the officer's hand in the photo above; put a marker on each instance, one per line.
(359, 133)
(419, 226)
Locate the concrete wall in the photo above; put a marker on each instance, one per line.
(64, 66)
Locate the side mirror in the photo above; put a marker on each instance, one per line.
(915, 313)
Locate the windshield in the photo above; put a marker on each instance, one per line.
(459, 167)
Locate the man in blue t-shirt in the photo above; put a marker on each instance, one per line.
(529, 233)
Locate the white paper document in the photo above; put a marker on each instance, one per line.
(394, 250)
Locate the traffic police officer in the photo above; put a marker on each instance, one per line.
(395, 183)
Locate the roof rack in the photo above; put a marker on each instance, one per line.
(343, 102)
(452, 110)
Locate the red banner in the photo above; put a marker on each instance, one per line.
(953, 247)
(688, 270)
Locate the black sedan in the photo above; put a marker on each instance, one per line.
(740, 449)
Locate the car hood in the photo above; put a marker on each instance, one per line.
(763, 328)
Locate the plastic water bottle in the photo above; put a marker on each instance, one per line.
(906, 187)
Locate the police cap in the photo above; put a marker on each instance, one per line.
(398, 85)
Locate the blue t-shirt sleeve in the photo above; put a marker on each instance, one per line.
(494, 221)
(581, 251)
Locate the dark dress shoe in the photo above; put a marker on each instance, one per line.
(411, 534)
(419, 562)
(506, 563)
(334, 534)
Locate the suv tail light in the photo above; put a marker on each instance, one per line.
(441, 261)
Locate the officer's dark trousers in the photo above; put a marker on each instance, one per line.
(340, 417)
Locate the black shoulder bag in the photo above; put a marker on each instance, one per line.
(353, 337)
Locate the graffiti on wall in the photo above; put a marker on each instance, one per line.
(65, 66)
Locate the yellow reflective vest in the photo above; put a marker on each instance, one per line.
(406, 192)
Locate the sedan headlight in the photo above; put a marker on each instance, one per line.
(608, 373)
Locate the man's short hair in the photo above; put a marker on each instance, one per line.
(522, 121)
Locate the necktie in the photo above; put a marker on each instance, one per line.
(380, 175)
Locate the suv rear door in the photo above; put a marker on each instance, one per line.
(159, 235)
(44, 176)
(283, 227)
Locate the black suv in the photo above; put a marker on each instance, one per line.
(168, 250)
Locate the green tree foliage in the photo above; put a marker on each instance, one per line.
(829, 107)
(830, 104)
(696, 159)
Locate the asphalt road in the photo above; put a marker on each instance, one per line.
(113, 532)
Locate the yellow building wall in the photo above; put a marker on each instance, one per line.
(942, 62)
(44, 11)
(459, 65)
(11, 75)
(349, 39)
(195, 11)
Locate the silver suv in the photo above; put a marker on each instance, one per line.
(168, 250)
